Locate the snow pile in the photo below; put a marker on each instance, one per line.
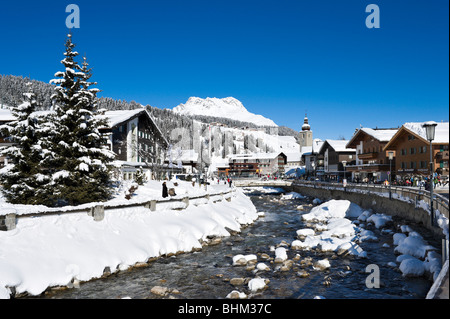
(333, 231)
(292, 195)
(257, 284)
(57, 249)
(263, 190)
(416, 256)
(333, 209)
(380, 220)
(280, 254)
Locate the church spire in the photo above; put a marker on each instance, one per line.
(306, 126)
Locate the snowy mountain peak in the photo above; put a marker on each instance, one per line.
(228, 107)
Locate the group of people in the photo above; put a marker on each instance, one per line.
(229, 181)
(165, 192)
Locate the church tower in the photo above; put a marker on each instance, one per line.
(305, 135)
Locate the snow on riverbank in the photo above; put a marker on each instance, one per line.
(332, 230)
(329, 229)
(151, 190)
(55, 250)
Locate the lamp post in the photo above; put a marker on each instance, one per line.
(313, 165)
(344, 182)
(430, 128)
(391, 156)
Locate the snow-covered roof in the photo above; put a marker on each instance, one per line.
(255, 156)
(308, 150)
(441, 132)
(293, 156)
(6, 115)
(383, 135)
(337, 145)
(116, 117)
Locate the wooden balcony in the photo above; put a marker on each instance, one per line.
(368, 156)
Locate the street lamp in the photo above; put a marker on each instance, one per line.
(313, 165)
(430, 128)
(391, 156)
(344, 182)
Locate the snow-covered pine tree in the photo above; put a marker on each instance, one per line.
(81, 157)
(24, 180)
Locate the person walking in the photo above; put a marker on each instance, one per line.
(164, 190)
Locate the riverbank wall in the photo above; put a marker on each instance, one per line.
(407, 210)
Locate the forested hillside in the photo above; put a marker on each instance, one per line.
(12, 87)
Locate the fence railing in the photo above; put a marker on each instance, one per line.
(9, 217)
(410, 194)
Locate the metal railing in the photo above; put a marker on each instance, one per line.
(8, 217)
(404, 193)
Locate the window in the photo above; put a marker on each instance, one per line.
(412, 165)
(411, 137)
(422, 149)
(423, 164)
(403, 165)
(412, 150)
(403, 151)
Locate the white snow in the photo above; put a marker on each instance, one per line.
(441, 131)
(243, 259)
(292, 195)
(337, 232)
(380, 220)
(53, 250)
(256, 284)
(280, 254)
(227, 107)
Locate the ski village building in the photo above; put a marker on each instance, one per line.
(137, 142)
(412, 150)
(133, 136)
(255, 165)
(335, 153)
(372, 161)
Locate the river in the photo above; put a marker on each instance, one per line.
(210, 273)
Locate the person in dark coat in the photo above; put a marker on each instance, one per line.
(164, 190)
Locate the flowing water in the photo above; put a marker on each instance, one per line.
(208, 273)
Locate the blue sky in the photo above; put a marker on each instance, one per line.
(279, 58)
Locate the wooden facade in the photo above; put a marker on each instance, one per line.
(413, 153)
(334, 152)
(258, 164)
(372, 161)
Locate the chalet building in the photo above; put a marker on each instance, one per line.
(372, 162)
(257, 164)
(334, 152)
(184, 159)
(294, 159)
(311, 158)
(412, 150)
(137, 142)
(133, 136)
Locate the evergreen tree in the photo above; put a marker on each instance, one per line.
(25, 180)
(80, 156)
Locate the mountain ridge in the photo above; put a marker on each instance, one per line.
(228, 107)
